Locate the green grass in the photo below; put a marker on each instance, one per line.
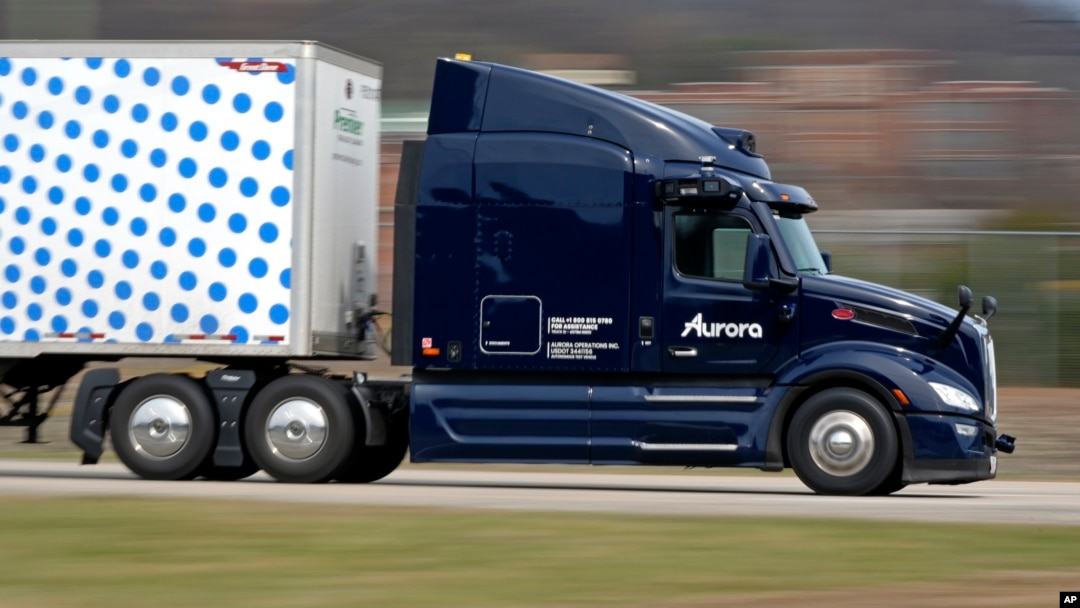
(118, 551)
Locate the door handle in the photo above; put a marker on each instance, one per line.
(682, 352)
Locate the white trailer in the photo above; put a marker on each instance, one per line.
(215, 200)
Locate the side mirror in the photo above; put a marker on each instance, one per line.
(827, 258)
(757, 272)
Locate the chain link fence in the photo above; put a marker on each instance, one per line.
(1035, 277)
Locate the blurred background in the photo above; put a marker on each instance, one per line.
(941, 138)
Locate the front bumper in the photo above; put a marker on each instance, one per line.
(941, 448)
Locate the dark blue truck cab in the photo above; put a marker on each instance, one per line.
(591, 278)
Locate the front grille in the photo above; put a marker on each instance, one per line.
(991, 376)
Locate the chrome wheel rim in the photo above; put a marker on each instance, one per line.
(160, 427)
(841, 443)
(296, 429)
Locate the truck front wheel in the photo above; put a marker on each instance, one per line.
(299, 428)
(162, 427)
(841, 441)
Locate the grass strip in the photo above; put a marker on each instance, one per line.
(113, 551)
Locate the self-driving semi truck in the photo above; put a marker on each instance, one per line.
(579, 277)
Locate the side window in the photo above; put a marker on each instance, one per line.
(711, 246)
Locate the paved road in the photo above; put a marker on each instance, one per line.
(679, 494)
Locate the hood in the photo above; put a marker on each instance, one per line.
(846, 290)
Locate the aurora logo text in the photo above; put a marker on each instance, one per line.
(702, 329)
(346, 121)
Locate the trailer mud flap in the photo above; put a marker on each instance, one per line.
(88, 412)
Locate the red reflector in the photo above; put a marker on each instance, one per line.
(843, 314)
(430, 352)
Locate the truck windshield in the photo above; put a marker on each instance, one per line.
(800, 243)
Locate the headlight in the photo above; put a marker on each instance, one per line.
(955, 397)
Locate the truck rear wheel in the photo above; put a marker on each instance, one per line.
(162, 427)
(373, 462)
(299, 428)
(841, 441)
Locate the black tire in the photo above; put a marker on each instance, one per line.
(213, 472)
(299, 428)
(163, 427)
(843, 441)
(372, 463)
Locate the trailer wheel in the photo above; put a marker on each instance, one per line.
(299, 428)
(214, 472)
(162, 427)
(841, 441)
(373, 462)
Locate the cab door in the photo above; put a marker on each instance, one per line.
(712, 323)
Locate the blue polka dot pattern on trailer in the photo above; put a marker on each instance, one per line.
(230, 140)
(227, 257)
(146, 188)
(179, 313)
(144, 331)
(241, 103)
(167, 236)
(102, 248)
(249, 187)
(260, 150)
(258, 268)
(248, 302)
(268, 232)
(211, 94)
(188, 167)
(237, 223)
(91, 173)
(180, 85)
(197, 130)
(274, 112)
(280, 196)
(188, 280)
(279, 313)
(218, 177)
(217, 292)
(111, 104)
